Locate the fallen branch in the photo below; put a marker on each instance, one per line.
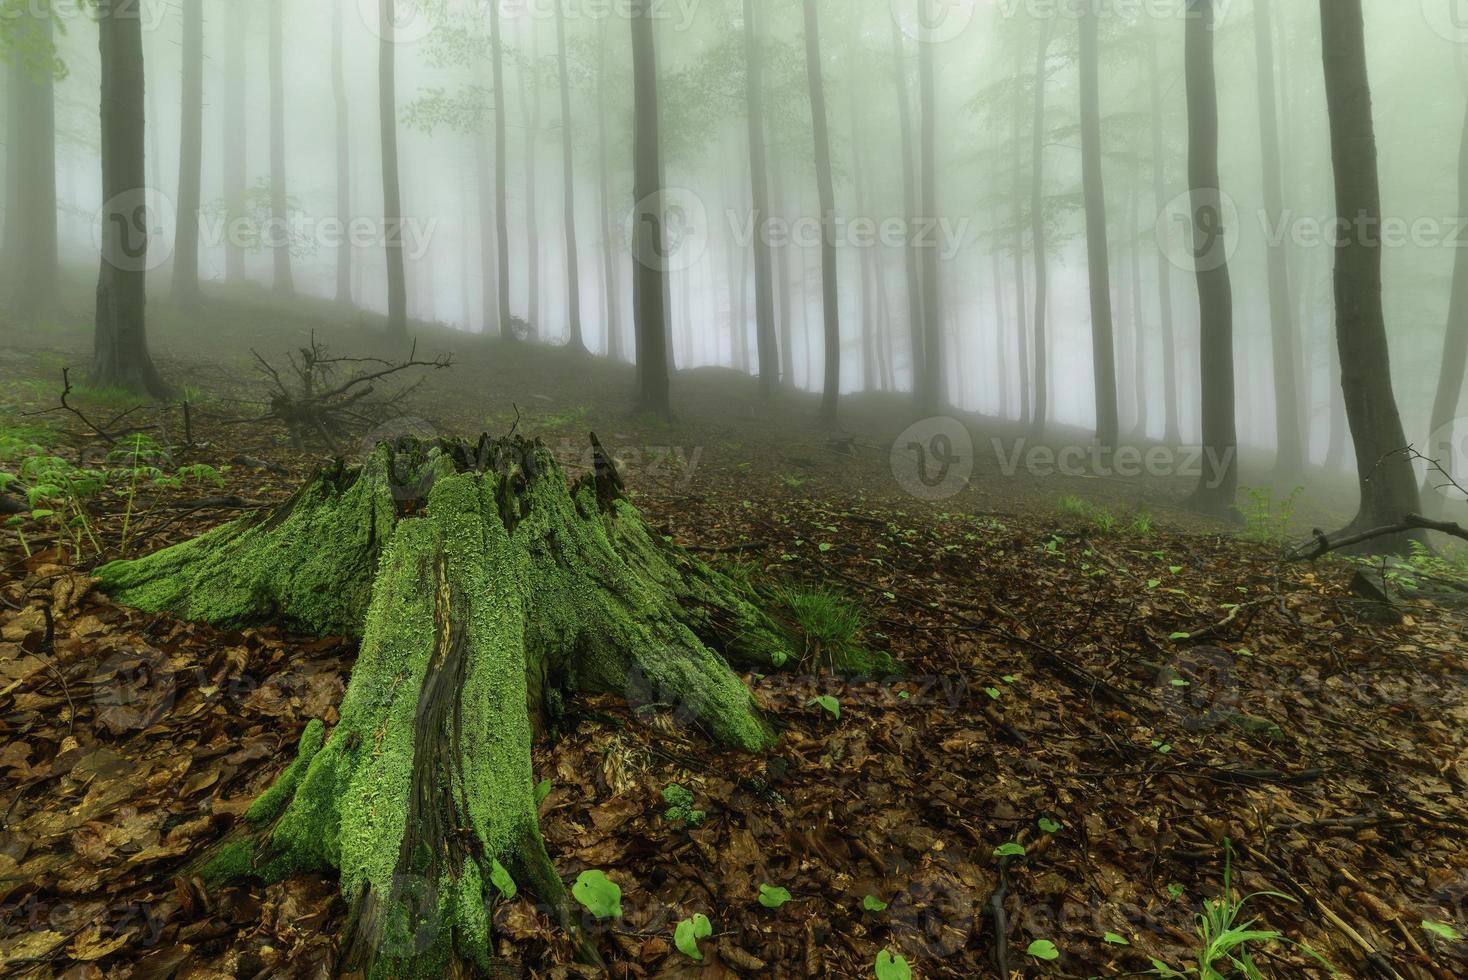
(1323, 544)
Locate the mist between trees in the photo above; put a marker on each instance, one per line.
(1155, 219)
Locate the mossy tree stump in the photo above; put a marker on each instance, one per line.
(484, 590)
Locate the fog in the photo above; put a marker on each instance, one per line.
(984, 63)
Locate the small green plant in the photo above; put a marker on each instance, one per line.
(680, 806)
(892, 966)
(827, 627)
(598, 894)
(1267, 520)
(688, 932)
(1043, 949)
(827, 704)
(1225, 938)
(1074, 506)
(772, 896)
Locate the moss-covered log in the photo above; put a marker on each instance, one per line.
(484, 590)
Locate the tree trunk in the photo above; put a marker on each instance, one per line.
(279, 202)
(611, 285)
(484, 592)
(764, 302)
(488, 267)
(190, 158)
(392, 203)
(1171, 431)
(1388, 484)
(530, 115)
(1290, 451)
(830, 287)
(1021, 313)
(234, 138)
(934, 390)
(573, 275)
(343, 158)
(30, 224)
(1440, 443)
(501, 175)
(649, 274)
(1037, 232)
(1097, 257)
(120, 350)
(1219, 481)
(910, 207)
(781, 259)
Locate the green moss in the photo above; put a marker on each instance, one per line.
(234, 862)
(524, 590)
(274, 799)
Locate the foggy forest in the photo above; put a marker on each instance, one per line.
(734, 488)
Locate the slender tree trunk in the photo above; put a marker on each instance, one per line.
(649, 277)
(488, 267)
(1388, 484)
(764, 304)
(1171, 430)
(530, 115)
(190, 158)
(1290, 451)
(1440, 445)
(501, 176)
(120, 350)
(30, 223)
(1097, 257)
(1219, 482)
(781, 259)
(910, 207)
(343, 157)
(609, 249)
(1021, 288)
(392, 203)
(279, 202)
(234, 138)
(573, 275)
(1037, 233)
(1139, 326)
(830, 287)
(934, 393)
(1001, 337)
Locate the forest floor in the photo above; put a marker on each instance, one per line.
(1147, 704)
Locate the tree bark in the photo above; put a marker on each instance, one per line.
(764, 303)
(1021, 288)
(485, 592)
(234, 138)
(573, 275)
(1440, 445)
(1388, 484)
(1291, 455)
(120, 349)
(649, 251)
(1037, 233)
(934, 389)
(530, 115)
(343, 157)
(825, 189)
(279, 202)
(190, 158)
(1097, 257)
(1172, 433)
(610, 266)
(30, 224)
(392, 201)
(1219, 482)
(910, 207)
